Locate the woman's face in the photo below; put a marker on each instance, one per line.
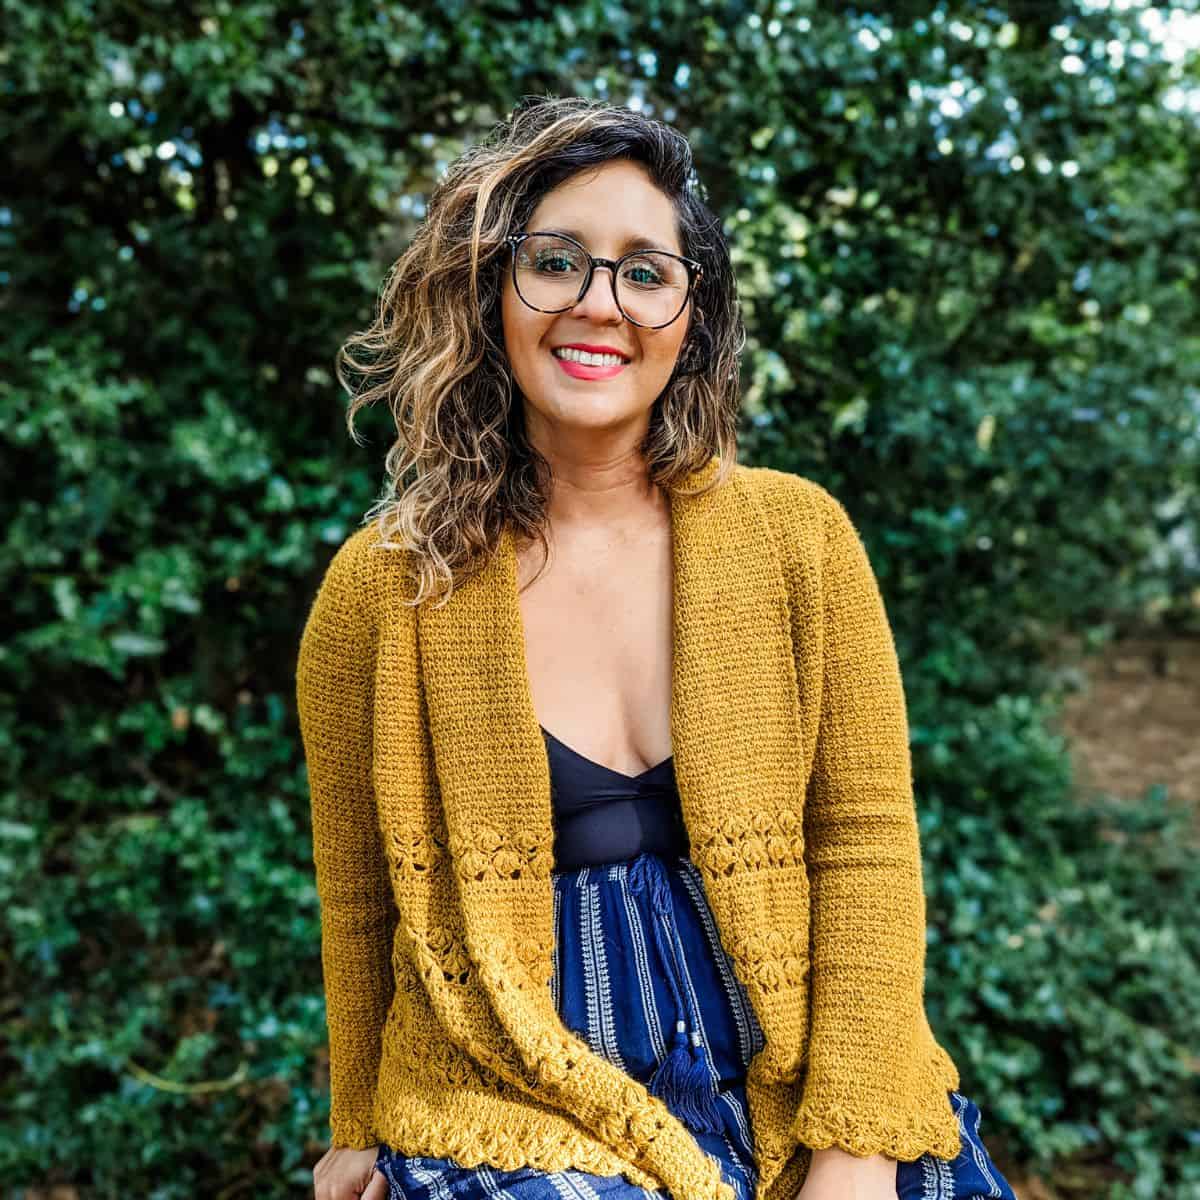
(603, 208)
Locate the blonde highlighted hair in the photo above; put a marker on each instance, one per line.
(461, 464)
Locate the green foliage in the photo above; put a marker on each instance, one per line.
(1061, 959)
(966, 238)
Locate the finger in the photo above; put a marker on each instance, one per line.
(377, 1189)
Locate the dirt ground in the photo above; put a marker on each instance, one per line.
(1136, 720)
(1133, 723)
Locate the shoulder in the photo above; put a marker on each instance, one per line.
(364, 566)
(344, 572)
(800, 511)
(786, 487)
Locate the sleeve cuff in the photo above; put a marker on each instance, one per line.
(915, 1120)
(352, 1133)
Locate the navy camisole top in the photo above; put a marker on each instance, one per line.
(603, 816)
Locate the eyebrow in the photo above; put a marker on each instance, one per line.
(634, 242)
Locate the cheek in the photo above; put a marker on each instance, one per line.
(668, 343)
(521, 333)
(508, 317)
(665, 348)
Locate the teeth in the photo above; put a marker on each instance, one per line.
(592, 360)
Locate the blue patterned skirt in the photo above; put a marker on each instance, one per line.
(641, 975)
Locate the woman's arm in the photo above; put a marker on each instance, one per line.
(876, 1081)
(335, 694)
(836, 1175)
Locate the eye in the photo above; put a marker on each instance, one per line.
(554, 262)
(649, 271)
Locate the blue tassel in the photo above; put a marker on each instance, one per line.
(706, 1116)
(683, 1082)
(671, 1078)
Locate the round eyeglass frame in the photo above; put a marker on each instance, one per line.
(694, 269)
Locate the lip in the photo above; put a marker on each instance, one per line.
(583, 371)
(591, 349)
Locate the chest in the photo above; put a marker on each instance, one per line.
(597, 633)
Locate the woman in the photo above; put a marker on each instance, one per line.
(613, 822)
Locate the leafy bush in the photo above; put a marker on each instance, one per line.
(967, 241)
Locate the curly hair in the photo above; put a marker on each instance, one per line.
(461, 464)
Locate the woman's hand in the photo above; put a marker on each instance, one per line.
(836, 1175)
(345, 1174)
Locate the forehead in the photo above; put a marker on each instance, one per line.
(609, 209)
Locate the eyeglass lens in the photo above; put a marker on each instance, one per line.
(652, 287)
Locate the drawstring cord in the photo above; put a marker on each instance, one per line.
(685, 1079)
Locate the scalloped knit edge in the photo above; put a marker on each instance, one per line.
(435, 1141)
(864, 1137)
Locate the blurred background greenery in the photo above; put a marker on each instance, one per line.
(967, 240)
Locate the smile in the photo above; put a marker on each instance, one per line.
(581, 365)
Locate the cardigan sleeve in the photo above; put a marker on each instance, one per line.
(334, 693)
(876, 1080)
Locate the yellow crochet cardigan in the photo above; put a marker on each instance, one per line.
(433, 847)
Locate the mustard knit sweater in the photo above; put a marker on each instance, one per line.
(433, 852)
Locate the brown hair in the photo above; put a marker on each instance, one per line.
(461, 464)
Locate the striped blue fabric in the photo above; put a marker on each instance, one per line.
(641, 975)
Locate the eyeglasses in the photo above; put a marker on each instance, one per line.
(553, 272)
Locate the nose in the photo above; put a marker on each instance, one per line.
(598, 302)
